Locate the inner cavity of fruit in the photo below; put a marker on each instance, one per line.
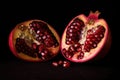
(80, 38)
(36, 40)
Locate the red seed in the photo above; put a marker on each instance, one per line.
(81, 55)
(64, 50)
(60, 62)
(34, 46)
(66, 64)
(41, 47)
(55, 64)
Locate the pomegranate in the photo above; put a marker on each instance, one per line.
(86, 38)
(34, 40)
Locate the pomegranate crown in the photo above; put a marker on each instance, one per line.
(93, 16)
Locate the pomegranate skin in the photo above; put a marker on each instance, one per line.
(31, 46)
(96, 53)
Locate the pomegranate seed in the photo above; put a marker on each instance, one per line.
(86, 48)
(44, 37)
(64, 50)
(70, 34)
(78, 24)
(93, 39)
(71, 48)
(48, 36)
(96, 36)
(34, 24)
(74, 23)
(38, 31)
(77, 28)
(42, 54)
(49, 42)
(81, 55)
(90, 42)
(41, 47)
(101, 35)
(68, 54)
(70, 30)
(34, 46)
(68, 42)
(66, 64)
(98, 39)
(77, 45)
(43, 58)
(94, 45)
(69, 39)
(45, 51)
(41, 34)
(60, 62)
(71, 27)
(79, 49)
(55, 64)
(36, 36)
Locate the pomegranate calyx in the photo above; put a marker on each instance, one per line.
(93, 16)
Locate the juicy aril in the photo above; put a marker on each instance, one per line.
(86, 38)
(34, 40)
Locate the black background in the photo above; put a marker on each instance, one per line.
(58, 14)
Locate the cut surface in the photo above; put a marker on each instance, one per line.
(34, 40)
(84, 37)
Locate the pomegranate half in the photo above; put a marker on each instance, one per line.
(86, 38)
(34, 40)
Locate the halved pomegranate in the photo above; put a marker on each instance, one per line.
(86, 38)
(34, 40)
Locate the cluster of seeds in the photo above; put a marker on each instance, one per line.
(62, 63)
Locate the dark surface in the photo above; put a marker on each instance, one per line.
(57, 14)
